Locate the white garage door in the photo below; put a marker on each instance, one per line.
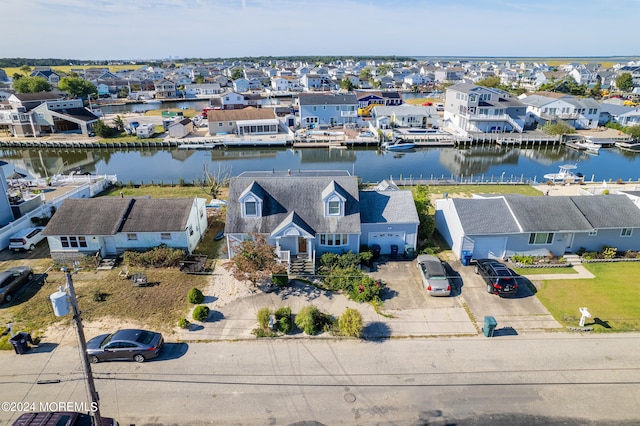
(489, 247)
(385, 239)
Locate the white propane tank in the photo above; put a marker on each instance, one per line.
(60, 303)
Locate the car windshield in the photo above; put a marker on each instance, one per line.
(106, 340)
(145, 337)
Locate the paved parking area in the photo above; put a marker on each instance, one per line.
(524, 312)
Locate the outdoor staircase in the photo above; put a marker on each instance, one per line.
(301, 266)
(573, 259)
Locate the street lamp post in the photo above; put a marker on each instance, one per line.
(91, 389)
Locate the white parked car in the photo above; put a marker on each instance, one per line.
(26, 239)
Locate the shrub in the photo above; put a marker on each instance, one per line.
(158, 257)
(280, 280)
(183, 323)
(201, 313)
(351, 323)
(355, 283)
(609, 252)
(98, 296)
(283, 320)
(523, 259)
(264, 314)
(195, 296)
(262, 332)
(311, 320)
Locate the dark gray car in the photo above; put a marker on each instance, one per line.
(129, 344)
(11, 280)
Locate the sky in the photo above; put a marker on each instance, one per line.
(161, 29)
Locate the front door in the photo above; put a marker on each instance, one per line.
(568, 242)
(302, 245)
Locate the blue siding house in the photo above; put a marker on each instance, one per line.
(304, 214)
(502, 226)
(327, 109)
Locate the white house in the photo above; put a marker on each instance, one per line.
(581, 113)
(111, 225)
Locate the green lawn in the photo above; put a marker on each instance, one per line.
(467, 190)
(613, 297)
(540, 271)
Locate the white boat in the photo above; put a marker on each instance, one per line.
(565, 175)
(589, 146)
(398, 144)
(152, 101)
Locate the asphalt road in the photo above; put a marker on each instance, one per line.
(545, 379)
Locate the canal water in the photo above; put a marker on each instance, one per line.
(372, 165)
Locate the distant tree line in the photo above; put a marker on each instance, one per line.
(51, 62)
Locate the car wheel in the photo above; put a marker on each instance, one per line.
(476, 270)
(489, 288)
(8, 298)
(94, 359)
(32, 247)
(138, 358)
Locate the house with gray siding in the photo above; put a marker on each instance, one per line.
(304, 214)
(327, 109)
(472, 109)
(501, 226)
(111, 225)
(581, 113)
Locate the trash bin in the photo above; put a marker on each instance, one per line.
(466, 257)
(375, 248)
(21, 342)
(409, 251)
(489, 326)
(394, 251)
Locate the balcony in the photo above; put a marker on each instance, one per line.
(352, 114)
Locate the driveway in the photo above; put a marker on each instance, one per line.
(524, 312)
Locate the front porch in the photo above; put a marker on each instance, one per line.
(297, 253)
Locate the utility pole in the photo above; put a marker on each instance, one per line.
(91, 388)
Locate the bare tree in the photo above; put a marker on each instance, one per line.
(254, 260)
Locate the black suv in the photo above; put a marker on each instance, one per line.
(500, 280)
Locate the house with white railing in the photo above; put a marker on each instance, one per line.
(581, 113)
(475, 109)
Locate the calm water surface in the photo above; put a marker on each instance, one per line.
(370, 164)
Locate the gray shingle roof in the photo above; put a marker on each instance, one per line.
(547, 214)
(325, 99)
(299, 192)
(485, 216)
(387, 207)
(609, 211)
(515, 214)
(110, 215)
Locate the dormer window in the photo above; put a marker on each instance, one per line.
(334, 207)
(334, 201)
(250, 207)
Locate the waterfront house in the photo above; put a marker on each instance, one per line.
(32, 114)
(111, 225)
(311, 82)
(246, 121)
(204, 90)
(501, 226)
(581, 113)
(407, 115)
(474, 109)
(165, 89)
(327, 109)
(306, 213)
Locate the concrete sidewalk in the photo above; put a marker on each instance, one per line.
(582, 274)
